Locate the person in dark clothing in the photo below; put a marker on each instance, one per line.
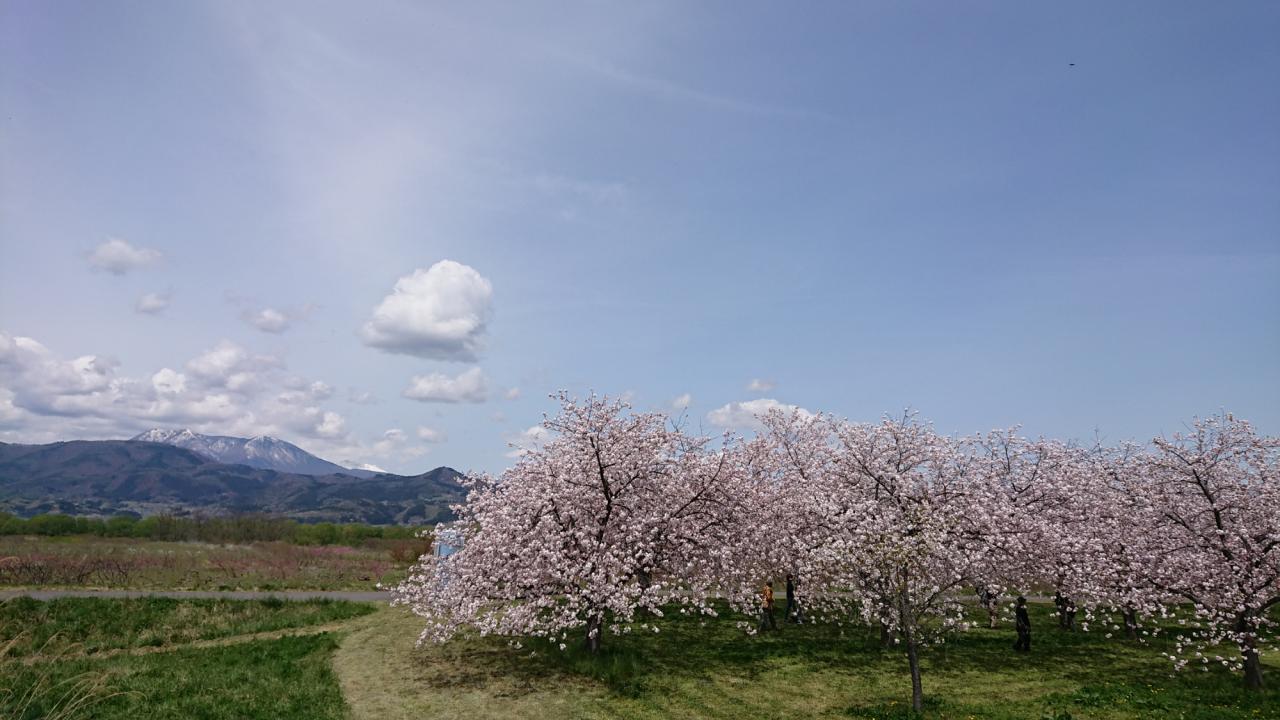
(1066, 611)
(1060, 602)
(1022, 622)
(766, 608)
(793, 608)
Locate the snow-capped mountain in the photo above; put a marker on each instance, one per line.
(262, 451)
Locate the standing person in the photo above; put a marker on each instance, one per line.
(792, 614)
(766, 607)
(990, 599)
(1022, 622)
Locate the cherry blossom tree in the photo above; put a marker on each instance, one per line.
(887, 524)
(620, 515)
(1190, 520)
(616, 514)
(1060, 522)
(1021, 480)
(1113, 522)
(1214, 499)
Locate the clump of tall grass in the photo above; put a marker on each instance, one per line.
(36, 690)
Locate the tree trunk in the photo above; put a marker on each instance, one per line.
(593, 634)
(886, 636)
(1249, 648)
(917, 691)
(907, 628)
(1253, 670)
(1131, 623)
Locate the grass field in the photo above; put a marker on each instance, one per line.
(163, 658)
(713, 671)
(129, 563)
(365, 665)
(85, 626)
(286, 678)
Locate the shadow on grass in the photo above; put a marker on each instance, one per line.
(1124, 678)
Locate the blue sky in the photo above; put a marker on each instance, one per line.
(205, 209)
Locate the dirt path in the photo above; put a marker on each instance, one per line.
(384, 677)
(352, 595)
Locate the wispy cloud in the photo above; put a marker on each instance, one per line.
(670, 90)
(468, 387)
(153, 303)
(746, 415)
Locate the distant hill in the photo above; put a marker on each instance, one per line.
(263, 452)
(108, 477)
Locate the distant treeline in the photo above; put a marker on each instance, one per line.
(235, 529)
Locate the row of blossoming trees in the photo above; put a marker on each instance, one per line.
(621, 515)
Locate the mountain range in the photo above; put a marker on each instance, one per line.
(262, 451)
(109, 477)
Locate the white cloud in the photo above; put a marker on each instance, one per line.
(527, 440)
(225, 390)
(361, 397)
(220, 362)
(10, 414)
(169, 382)
(682, 402)
(470, 386)
(153, 303)
(758, 385)
(231, 366)
(440, 312)
(119, 257)
(301, 392)
(513, 393)
(431, 435)
(746, 415)
(331, 425)
(268, 320)
(391, 439)
(392, 445)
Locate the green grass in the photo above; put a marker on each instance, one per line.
(691, 669)
(281, 679)
(714, 671)
(56, 628)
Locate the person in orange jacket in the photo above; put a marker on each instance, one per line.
(766, 608)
